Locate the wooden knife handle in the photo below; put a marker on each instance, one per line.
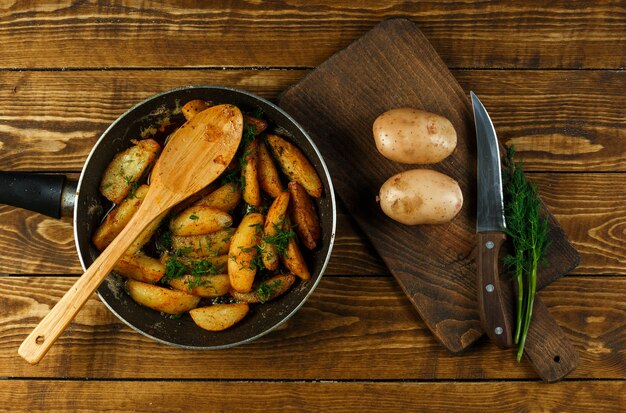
(491, 303)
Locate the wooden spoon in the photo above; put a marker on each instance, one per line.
(196, 154)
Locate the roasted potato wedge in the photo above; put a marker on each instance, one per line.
(250, 173)
(202, 285)
(140, 267)
(273, 225)
(218, 263)
(304, 216)
(219, 317)
(268, 174)
(243, 252)
(266, 290)
(224, 198)
(127, 168)
(193, 107)
(161, 299)
(293, 259)
(199, 246)
(145, 235)
(117, 219)
(258, 125)
(200, 220)
(295, 165)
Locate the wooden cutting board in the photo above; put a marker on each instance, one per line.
(394, 65)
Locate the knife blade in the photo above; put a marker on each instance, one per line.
(490, 229)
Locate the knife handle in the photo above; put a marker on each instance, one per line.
(491, 304)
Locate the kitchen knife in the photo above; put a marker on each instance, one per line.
(490, 228)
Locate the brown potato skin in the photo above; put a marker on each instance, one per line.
(283, 284)
(117, 219)
(224, 198)
(127, 168)
(219, 317)
(293, 259)
(200, 246)
(258, 124)
(295, 165)
(273, 222)
(304, 216)
(249, 171)
(193, 107)
(200, 220)
(268, 174)
(217, 285)
(140, 267)
(243, 251)
(161, 299)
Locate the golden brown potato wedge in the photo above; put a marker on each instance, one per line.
(293, 259)
(202, 285)
(161, 299)
(249, 171)
(304, 217)
(258, 125)
(219, 317)
(295, 165)
(218, 263)
(268, 174)
(117, 219)
(199, 246)
(243, 252)
(127, 168)
(266, 290)
(140, 267)
(193, 107)
(200, 220)
(273, 225)
(224, 198)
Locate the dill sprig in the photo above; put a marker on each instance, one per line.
(528, 231)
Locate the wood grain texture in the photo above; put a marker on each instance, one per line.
(558, 120)
(161, 396)
(394, 65)
(33, 244)
(534, 33)
(353, 328)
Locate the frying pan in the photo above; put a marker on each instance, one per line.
(53, 195)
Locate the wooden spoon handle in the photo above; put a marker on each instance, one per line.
(56, 321)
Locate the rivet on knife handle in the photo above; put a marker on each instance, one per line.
(490, 299)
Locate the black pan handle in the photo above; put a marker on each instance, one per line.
(51, 195)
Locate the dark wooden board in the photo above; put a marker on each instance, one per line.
(394, 65)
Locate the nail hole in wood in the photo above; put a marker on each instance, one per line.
(557, 358)
(39, 340)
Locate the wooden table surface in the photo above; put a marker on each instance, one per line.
(551, 73)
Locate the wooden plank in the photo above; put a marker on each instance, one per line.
(164, 396)
(352, 328)
(560, 120)
(590, 208)
(533, 33)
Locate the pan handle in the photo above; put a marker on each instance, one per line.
(51, 195)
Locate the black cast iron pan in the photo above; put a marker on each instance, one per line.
(55, 196)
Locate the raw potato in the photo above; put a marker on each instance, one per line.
(140, 267)
(161, 299)
(199, 246)
(193, 107)
(127, 168)
(249, 171)
(273, 224)
(117, 219)
(267, 290)
(414, 136)
(304, 217)
(224, 198)
(268, 174)
(219, 317)
(202, 285)
(293, 259)
(243, 251)
(295, 165)
(200, 220)
(421, 196)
